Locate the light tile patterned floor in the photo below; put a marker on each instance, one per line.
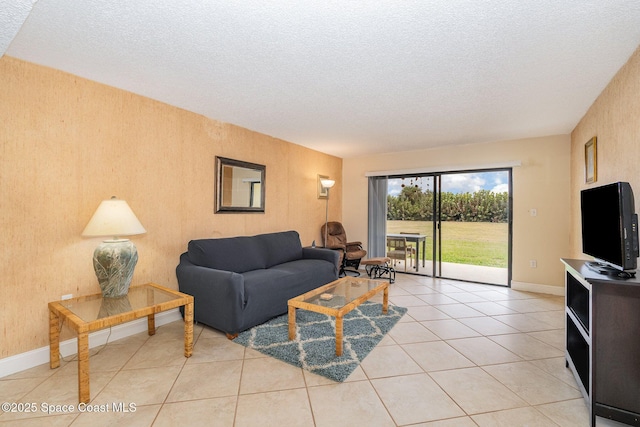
(464, 355)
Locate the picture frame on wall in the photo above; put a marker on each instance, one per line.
(591, 160)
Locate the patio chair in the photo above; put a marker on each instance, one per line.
(398, 250)
(410, 245)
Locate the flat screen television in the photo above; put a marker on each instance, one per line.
(610, 229)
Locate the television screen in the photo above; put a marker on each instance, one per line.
(609, 226)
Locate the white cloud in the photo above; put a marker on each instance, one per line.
(463, 182)
(393, 187)
(500, 188)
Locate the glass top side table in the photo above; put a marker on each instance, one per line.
(90, 313)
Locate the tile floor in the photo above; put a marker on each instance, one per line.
(464, 355)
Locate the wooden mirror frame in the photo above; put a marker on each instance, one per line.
(228, 187)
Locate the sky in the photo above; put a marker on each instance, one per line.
(497, 181)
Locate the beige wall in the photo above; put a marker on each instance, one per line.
(541, 182)
(67, 143)
(614, 118)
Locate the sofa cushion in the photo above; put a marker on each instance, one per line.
(267, 291)
(280, 247)
(237, 254)
(307, 271)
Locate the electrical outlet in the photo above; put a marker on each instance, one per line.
(67, 296)
(533, 212)
(533, 263)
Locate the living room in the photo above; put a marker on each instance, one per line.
(68, 143)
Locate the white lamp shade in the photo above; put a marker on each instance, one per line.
(114, 218)
(327, 183)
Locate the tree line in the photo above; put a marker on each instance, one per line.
(413, 204)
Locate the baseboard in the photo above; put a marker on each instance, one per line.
(30, 359)
(534, 287)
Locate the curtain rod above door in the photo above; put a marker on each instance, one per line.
(434, 169)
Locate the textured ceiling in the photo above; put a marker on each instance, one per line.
(344, 77)
(12, 15)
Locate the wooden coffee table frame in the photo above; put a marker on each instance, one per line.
(58, 312)
(302, 302)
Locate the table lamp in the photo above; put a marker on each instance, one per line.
(114, 259)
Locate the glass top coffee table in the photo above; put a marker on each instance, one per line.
(93, 312)
(337, 299)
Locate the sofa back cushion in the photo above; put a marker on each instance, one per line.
(237, 254)
(280, 247)
(241, 254)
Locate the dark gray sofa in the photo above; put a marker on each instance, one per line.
(240, 282)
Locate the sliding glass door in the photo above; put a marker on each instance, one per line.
(453, 225)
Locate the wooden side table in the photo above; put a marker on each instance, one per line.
(93, 312)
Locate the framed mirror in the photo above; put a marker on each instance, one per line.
(240, 186)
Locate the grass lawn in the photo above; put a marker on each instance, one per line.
(475, 243)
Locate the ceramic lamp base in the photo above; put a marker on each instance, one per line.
(114, 262)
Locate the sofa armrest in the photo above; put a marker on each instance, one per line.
(330, 255)
(321, 253)
(218, 295)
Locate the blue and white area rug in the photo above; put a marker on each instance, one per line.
(314, 347)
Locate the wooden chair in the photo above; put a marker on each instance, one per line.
(398, 250)
(411, 247)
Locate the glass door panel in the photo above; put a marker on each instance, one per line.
(474, 226)
(410, 219)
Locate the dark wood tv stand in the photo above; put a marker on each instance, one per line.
(603, 341)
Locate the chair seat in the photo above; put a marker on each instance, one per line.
(356, 254)
(397, 254)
